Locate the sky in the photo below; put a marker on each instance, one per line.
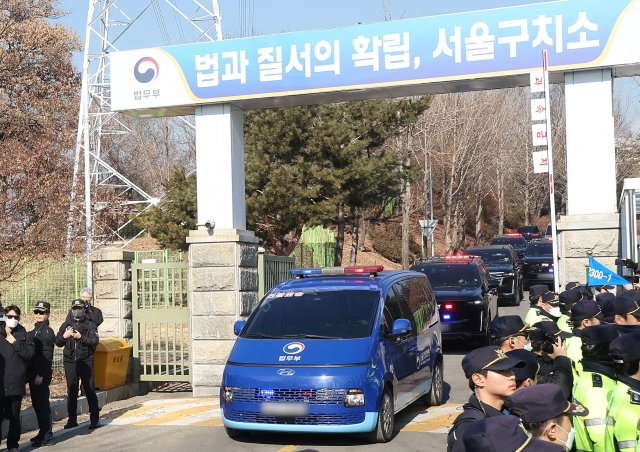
(277, 16)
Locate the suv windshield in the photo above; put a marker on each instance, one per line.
(513, 241)
(492, 256)
(340, 314)
(539, 249)
(528, 229)
(443, 276)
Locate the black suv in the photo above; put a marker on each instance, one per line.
(529, 232)
(515, 240)
(502, 263)
(538, 264)
(464, 294)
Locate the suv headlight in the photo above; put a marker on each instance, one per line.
(354, 398)
(228, 395)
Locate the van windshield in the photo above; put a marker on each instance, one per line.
(339, 314)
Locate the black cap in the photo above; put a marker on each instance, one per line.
(585, 310)
(538, 290)
(531, 366)
(547, 330)
(600, 334)
(570, 297)
(572, 285)
(550, 298)
(487, 358)
(626, 348)
(78, 304)
(605, 287)
(508, 325)
(602, 297)
(540, 403)
(626, 306)
(503, 434)
(42, 306)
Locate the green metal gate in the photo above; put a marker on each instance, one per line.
(160, 321)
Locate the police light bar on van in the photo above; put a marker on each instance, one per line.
(371, 270)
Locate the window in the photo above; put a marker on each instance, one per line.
(403, 292)
(392, 311)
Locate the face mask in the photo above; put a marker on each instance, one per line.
(555, 312)
(78, 313)
(528, 347)
(12, 323)
(571, 436)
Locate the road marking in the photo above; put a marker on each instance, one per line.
(154, 405)
(174, 416)
(435, 419)
(288, 449)
(215, 422)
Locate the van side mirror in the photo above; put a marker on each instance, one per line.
(238, 326)
(400, 327)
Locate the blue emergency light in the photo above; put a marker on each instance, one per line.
(372, 270)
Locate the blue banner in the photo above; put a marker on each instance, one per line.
(599, 275)
(451, 53)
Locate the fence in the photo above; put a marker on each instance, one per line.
(56, 282)
(160, 256)
(314, 254)
(271, 271)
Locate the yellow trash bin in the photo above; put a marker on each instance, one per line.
(111, 363)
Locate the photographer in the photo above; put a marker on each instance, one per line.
(94, 314)
(79, 339)
(547, 341)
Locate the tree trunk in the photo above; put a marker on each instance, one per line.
(355, 231)
(362, 233)
(501, 212)
(406, 218)
(340, 239)
(478, 221)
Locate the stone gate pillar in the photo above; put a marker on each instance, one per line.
(112, 291)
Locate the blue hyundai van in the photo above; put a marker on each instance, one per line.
(335, 350)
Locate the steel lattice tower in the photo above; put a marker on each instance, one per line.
(112, 25)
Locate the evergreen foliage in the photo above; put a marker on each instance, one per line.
(169, 222)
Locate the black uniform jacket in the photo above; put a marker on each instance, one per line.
(43, 338)
(557, 371)
(78, 349)
(474, 410)
(13, 361)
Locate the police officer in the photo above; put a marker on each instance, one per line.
(595, 386)
(528, 374)
(624, 408)
(79, 339)
(534, 315)
(39, 373)
(548, 344)
(16, 349)
(604, 296)
(94, 314)
(547, 310)
(504, 434)
(568, 298)
(583, 315)
(509, 332)
(488, 370)
(546, 414)
(627, 311)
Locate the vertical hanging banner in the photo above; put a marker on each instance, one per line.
(538, 109)
(537, 82)
(539, 132)
(540, 162)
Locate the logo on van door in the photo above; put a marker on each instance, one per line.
(293, 348)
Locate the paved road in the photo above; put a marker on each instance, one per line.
(176, 422)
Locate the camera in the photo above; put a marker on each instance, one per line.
(635, 279)
(210, 224)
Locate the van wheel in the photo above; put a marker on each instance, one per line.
(235, 433)
(434, 396)
(384, 430)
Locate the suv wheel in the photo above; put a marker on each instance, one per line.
(384, 430)
(434, 396)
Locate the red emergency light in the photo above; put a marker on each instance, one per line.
(460, 256)
(448, 306)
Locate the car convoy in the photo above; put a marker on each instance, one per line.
(343, 349)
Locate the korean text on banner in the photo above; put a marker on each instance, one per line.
(539, 132)
(540, 162)
(599, 275)
(537, 82)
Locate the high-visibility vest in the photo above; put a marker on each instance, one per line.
(622, 420)
(593, 390)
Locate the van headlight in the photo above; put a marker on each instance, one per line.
(228, 395)
(354, 398)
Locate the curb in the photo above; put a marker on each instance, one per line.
(59, 409)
